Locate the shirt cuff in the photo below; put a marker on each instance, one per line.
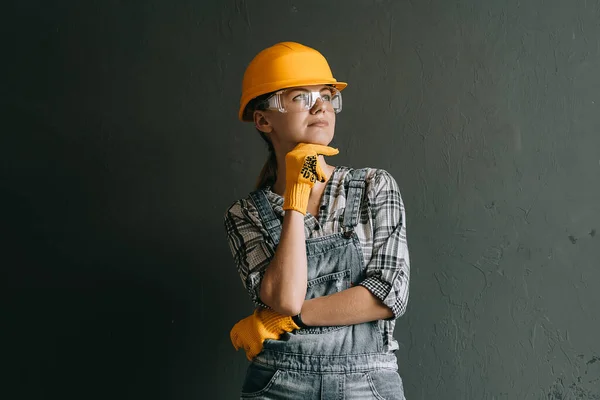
(381, 290)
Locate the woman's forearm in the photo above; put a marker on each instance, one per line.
(283, 286)
(348, 307)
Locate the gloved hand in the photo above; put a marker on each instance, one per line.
(251, 332)
(302, 170)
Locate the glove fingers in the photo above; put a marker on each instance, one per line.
(320, 174)
(325, 150)
(308, 148)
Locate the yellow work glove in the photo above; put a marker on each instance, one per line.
(251, 332)
(302, 170)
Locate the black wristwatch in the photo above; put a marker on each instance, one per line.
(298, 321)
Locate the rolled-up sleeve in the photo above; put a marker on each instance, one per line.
(388, 270)
(251, 253)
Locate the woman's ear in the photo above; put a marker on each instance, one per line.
(261, 122)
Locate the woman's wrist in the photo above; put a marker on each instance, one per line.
(296, 197)
(298, 321)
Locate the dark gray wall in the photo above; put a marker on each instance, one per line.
(121, 150)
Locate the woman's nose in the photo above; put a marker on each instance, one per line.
(318, 106)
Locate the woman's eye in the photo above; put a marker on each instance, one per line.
(326, 97)
(300, 97)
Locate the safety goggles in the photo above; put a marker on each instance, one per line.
(298, 99)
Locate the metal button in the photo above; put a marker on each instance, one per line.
(348, 234)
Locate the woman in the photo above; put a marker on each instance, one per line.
(321, 249)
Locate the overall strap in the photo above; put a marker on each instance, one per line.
(354, 197)
(269, 220)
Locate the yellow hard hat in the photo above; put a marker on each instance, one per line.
(284, 65)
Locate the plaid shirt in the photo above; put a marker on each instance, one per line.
(381, 231)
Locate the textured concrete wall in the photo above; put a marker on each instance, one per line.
(121, 150)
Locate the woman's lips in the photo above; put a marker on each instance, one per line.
(319, 123)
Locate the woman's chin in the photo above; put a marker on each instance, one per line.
(322, 138)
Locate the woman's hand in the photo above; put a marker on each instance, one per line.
(302, 170)
(251, 332)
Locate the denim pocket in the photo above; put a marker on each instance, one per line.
(328, 284)
(323, 286)
(259, 379)
(386, 384)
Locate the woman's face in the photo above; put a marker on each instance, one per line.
(286, 130)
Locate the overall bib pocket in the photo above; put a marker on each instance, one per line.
(328, 284)
(322, 286)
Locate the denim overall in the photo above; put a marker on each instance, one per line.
(331, 362)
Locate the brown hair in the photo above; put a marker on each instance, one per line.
(268, 174)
